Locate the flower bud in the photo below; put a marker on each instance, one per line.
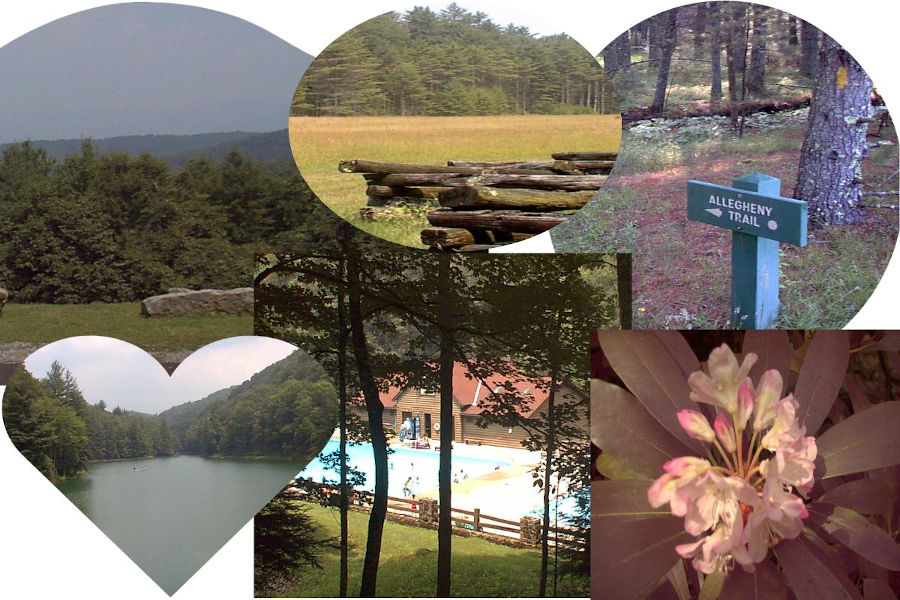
(725, 432)
(696, 425)
(744, 406)
(770, 385)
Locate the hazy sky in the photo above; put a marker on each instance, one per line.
(146, 68)
(123, 375)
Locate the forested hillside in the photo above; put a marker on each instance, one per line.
(176, 150)
(53, 426)
(452, 62)
(286, 410)
(117, 228)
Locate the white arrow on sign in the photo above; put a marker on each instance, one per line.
(714, 211)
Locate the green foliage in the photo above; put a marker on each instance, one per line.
(408, 559)
(450, 63)
(287, 409)
(114, 228)
(284, 540)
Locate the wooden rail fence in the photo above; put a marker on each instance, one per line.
(478, 205)
(425, 512)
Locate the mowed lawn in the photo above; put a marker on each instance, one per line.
(44, 323)
(408, 566)
(320, 143)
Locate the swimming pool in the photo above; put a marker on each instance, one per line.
(419, 467)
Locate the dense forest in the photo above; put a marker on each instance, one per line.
(118, 228)
(452, 62)
(285, 410)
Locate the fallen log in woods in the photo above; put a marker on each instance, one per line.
(480, 196)
(547, 182)
(384, 168)
(585, 156)
(479, 164)
(512, 221)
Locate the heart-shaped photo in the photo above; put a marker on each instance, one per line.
(169, 468)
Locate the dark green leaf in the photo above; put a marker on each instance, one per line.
(811, 573)
(712, 586)
(821, 376)
(679, 350)
(765, 583)
(867, 440)
(613, 501)
(774, 350)
(612, 468)
(644, 363)
(621, 426)
(678, 578)
(629, 558)
(857, 533)
(866, 496)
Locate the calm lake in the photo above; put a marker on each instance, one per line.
(171, 514)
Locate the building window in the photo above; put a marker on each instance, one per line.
(428, 391)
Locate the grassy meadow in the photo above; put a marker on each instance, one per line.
(320, 143)
(409, 561)
(45, 323)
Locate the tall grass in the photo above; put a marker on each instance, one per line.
(320, 143)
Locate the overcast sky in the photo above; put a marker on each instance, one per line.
(123, 375)
(146, 68)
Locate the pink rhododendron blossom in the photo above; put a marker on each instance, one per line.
(720, 387)
(739, 505)
(696, 425)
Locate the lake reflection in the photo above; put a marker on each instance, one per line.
(171, 514)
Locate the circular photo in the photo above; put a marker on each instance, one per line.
(757, 175)
(441, 127)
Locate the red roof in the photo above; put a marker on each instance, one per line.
(471, 393)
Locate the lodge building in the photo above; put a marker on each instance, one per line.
(469, 395)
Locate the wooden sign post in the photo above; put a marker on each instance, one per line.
(759, 218)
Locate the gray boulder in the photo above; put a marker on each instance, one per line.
(192, 303)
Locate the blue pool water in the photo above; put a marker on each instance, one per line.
(421, 466)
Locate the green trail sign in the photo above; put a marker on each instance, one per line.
(759, 218)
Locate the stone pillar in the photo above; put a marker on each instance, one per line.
(530, 531)
(428, 510)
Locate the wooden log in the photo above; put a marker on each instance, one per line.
(385, 168)
(582, 166)
(480, 196)
(545, 164)
(585, 155)
(512, 221)
(547, 182)
(387, 191)
(447, 237)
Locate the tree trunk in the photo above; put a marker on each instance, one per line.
(756, 76)
(445, 476)
(809, 48)
(654, 39)
(447, 237)
(374, 410)
(715, 54)
(623, 50)
(342, 421)
(830, 173)
(611, 59)
(548, 182)
(669, 35)
(700, 22)
(623, 285)
(548, 474)
(793, 40)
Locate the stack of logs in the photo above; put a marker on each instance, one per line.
(484, 204)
